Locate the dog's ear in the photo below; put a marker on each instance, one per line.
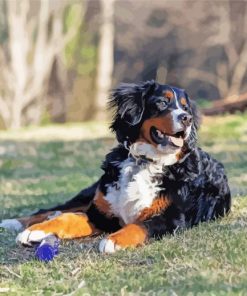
(128, 100)
(195, 112)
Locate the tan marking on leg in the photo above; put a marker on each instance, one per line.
(67, 226)
(102, 204)
(159, 204)
(31, 220)
(132, 235)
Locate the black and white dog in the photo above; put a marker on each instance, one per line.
(155, 180)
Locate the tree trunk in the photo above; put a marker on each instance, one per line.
(16, 116)
(105, 58)
(35, 38)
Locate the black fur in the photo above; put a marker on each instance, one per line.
(102, 222)
(128, 101)
(196, 185)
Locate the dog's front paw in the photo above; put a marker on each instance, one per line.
(29, 237)
(132, 235)
(107, 245)
(11, 224)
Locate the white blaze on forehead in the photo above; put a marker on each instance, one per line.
(175, 114)
(177, 125)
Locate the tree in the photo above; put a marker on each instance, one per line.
(105, 57)
(36, 36)
(197, 45)
(229, 36)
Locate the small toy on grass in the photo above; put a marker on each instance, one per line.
(47, 249)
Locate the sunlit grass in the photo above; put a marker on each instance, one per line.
(69, 132)
(45, 166)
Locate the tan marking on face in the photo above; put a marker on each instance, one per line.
(168, 94)
(160, 204)
(164, 124)
(67, 226)
(183, 101)
(102, 204)
(132, 235)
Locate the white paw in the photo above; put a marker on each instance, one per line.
(11, 224)
(28, 237)
(106, 245)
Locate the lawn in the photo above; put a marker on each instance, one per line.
(45, 166)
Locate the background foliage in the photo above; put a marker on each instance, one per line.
(58, 60)
(90, 46)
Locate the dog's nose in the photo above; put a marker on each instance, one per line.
(185, 119)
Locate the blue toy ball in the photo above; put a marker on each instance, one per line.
(47, 249)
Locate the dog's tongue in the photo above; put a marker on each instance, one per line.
(177, 141)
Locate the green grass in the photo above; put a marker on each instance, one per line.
(45, 166)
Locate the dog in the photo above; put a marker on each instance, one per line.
(155, 181)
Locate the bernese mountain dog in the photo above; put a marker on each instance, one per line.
(155, 181)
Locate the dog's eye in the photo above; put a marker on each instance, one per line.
(162, 105)
(186, 108)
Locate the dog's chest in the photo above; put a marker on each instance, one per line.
(134, 191)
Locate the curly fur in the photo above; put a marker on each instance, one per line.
(156, 177)
(196, 185)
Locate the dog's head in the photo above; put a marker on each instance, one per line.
(158, 122)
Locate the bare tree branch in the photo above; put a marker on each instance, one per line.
(105, 56)
(30, 61)
(229, 73)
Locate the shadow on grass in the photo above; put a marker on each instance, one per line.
(13, 254)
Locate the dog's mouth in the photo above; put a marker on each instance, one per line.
(159, 137)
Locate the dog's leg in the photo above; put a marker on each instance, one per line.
(80, 203)
(65, 226)
(133, 235)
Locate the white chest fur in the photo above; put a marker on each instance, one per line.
(135, 190)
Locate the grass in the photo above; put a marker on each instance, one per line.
(45, 166)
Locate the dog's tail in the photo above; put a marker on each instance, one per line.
(79, 203)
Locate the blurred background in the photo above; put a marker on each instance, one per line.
(58, 61)
(59, 58)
